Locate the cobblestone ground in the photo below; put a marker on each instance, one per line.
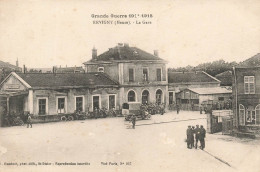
(155, 145)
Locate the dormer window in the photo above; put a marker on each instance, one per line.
(101, 69)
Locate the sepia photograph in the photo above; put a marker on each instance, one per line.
(129, 86)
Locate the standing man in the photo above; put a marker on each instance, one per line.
(189, 137)
(133, 121)
(162, 106)
(178, 108)
(202, 137)
(29, 120)
(192, 106)
(192, 136)
(197, 135)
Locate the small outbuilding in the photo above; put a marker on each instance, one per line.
(194, 98)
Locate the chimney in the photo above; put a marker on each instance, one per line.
(24, 69)
(155, 52)
(94, 53)
(118, 51)
(17, 63)
(120, 44)
(53, 69)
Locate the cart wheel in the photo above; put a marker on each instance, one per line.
(63, 118)
(70, 118)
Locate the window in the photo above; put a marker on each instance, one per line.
(79, 103)
(101, 69)
(241, 115)
(42, 105)
(131, 96)
(184, 101)
(221, 98)
(159, 96)
(96, 102)
(131, 75)
(249, 84)
(111, 101)
(250, 115)
(145, 74)
(61, 105)
(159, 74)
(257, 114)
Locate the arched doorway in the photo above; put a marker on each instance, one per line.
(158, 96)
(145, 97)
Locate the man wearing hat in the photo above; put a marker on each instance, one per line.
(202, 137)
(133, 119)
(197, 135)
(192, 136)
(189, 137)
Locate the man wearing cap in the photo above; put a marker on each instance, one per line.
(197, 135)
(202, 137)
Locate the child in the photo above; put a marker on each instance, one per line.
(29, 121)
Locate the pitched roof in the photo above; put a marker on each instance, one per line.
(211, 90)
(251, 62)
(8, 65)
(125, 53)
(190, 77)
(225, 78)
(67, 80)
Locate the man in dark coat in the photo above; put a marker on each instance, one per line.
(192, 137)
(197, 135)
(202, 137)
(178, 108)
(133, 119)
(189, 137)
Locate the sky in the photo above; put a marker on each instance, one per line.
(46, 33)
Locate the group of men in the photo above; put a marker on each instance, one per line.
(199, 133)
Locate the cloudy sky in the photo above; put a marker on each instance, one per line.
(43, 33)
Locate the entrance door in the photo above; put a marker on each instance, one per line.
(159, 96)
(112, 102)
(95, 102)
(145, 97)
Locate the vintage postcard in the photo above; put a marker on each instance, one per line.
(129, 86)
